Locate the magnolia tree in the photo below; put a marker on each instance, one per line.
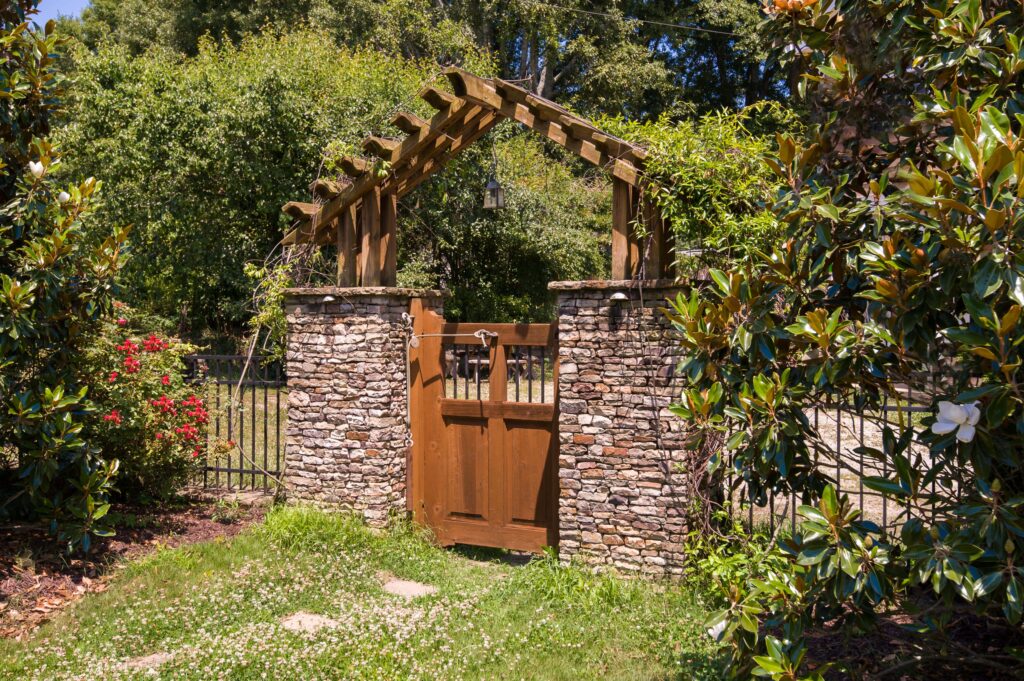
(902, 269)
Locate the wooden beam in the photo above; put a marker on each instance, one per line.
(430, 163)
(353, 166)
(473, 88)
(622, 206)
(439, 99)
(658, 256)
(300, 210)
(371, 238)
(326, 189)
(408, 123)
(347, 244)
(382, 148)
(389, 239)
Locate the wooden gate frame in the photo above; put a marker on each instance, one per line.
(429, 406)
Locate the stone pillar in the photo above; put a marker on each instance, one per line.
(347, 435)
(622, 490)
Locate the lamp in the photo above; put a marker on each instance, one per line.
(494, 195)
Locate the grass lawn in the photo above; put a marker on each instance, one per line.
(215, 610)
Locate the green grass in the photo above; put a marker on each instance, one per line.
(216, 608)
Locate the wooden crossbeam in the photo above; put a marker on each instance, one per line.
(353, 166)
(300, 210)
(423, 168)
(439, 99)
(326, 189)
(382, 148)
(410, 124)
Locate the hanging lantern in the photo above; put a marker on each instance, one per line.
(494, 195)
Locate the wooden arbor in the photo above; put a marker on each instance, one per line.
(361, 216)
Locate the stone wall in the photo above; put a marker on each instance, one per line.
(347, 436)
(621, 488)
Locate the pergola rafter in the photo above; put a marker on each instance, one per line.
(361, 216)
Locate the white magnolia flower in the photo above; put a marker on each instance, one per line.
(959, 417)
(716, 631)
(36, 167)
(63, 197)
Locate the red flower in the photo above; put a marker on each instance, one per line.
(132, 365)
(113, 376)
(195, 453)
(159, 436)
(153, 344)
(114, 416)
(165, 404)
(121, 321)
(165, 379)
(231, 443)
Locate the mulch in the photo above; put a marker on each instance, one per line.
(38, 580)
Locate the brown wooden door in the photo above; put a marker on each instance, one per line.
(483, 469)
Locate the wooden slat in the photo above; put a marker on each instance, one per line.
(389, 239)
(326, 189)
(371, 238)
(347, 233)
(486, 409)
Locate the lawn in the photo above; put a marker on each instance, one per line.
(215, 610)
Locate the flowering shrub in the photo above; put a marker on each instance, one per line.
(147, 417)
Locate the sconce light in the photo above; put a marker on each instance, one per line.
(618, 297)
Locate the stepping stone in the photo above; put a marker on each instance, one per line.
(149, 661)
(408, 589)
(307, 622)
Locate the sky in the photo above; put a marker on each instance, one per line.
(51, 9)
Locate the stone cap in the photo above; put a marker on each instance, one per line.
(362, 292)
(609, 284)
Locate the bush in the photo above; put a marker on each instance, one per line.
(902, 258)
(147, 417)
(55, 282)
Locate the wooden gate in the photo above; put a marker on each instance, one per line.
(484, 412)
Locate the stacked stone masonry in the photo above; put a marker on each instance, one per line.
(622, 490)
(347, 435)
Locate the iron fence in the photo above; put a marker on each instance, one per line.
(248, 407)
(845, 433)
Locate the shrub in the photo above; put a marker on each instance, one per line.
(902, 258)
(147, 417)
(55, 282)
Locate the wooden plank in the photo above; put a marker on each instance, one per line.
(326, 189)
(389, 239)
(483, 409)
(426, 377)
(508, 334)
(622, 206)
(347, 229)
(353, 166)
(439, 99)
(371, 238)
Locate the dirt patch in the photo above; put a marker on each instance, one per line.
(408, 589)
(149, 661)
(307, 622)
(37, 580)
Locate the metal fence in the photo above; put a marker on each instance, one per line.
(843, 431)
(249, 411)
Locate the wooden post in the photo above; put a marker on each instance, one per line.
(347, 247)
(622, 202)
(425, 365)
(659, 252)
(371, 238)
(389, 239)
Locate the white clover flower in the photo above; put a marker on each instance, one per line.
(36, 167)
(63, 197)
(959, 417)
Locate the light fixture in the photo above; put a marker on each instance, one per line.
(494, 195)
(618, 297)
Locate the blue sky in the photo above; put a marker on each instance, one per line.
(51, 9)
